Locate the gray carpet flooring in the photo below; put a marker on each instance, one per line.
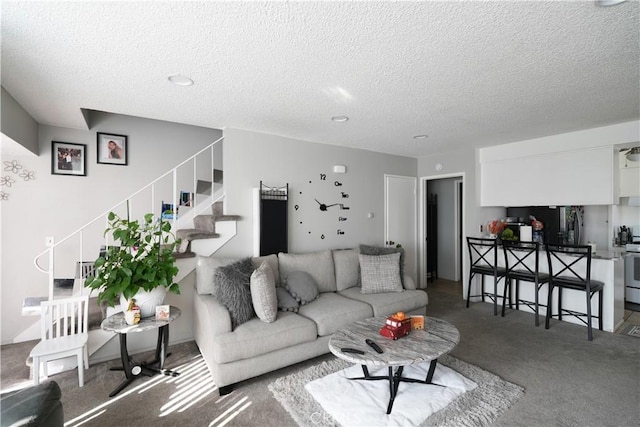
(568, 380)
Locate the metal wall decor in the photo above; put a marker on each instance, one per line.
(13, 168)
(318, 204)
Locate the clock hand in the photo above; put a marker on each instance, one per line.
(323, 207)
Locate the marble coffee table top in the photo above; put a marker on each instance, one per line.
(438, 337)
(116, 322)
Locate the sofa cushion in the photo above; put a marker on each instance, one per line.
(272, 260)
(285, 301)
(318, 264)
(391, 302)
(254, 337)
(380, 273)
(331, 312)
(233, 290)
(378, 250)
(347, 267)
(206, 270)
(302, 287)
(263, 293)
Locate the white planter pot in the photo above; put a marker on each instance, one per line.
(147, 301)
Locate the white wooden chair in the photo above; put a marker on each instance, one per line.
(64, 333)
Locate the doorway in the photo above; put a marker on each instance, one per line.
(449, 233)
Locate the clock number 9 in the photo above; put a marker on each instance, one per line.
(323, 177)
(296, 207)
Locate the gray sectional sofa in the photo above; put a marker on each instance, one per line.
(255, 347)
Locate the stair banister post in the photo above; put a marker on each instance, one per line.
(175, 197)
(195, 185)
(51, 259)
(213, 167)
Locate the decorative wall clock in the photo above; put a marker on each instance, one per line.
(322, 204)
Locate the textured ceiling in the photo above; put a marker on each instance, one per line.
(464, 73)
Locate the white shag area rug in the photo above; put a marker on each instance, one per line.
(472, 396)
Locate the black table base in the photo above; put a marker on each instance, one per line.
(396, 379)
(134, 370)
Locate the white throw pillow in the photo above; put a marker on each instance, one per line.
(263, 293)
(380, 273)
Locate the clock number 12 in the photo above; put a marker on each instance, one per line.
(323, 177)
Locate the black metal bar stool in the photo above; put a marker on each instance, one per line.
(570, 268)
(484, 261)
(522, 263)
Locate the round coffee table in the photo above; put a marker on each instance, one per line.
(438, 338)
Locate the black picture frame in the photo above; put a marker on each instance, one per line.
(112, 149)
(68, 158)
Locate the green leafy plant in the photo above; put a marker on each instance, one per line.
(507, 234)
(141, 258)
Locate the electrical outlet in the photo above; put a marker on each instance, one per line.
(481, 230)
(48, 241)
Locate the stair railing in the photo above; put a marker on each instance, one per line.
(50, 251)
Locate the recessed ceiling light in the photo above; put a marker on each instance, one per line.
(421, 137)
(180, 80)
(340, 119)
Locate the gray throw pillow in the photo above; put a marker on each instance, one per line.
(285, 301)
(263, 293)
(206, 271)
(302, 287)
(380, 273)
(233, 290)
(379, 250)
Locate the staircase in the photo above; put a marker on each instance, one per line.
(204, 228)
(203, 221)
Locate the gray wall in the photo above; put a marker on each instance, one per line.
(17, 124)
(250, 157)
(462, 162)
(56, 205)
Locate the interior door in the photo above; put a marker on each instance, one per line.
(401, 217)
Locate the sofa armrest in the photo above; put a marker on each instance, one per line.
(39, 405)
(408, 282)
(212, 313)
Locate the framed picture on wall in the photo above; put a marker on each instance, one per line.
(112, 149)
(68, 158)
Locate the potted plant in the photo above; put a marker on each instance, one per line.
(141, 259)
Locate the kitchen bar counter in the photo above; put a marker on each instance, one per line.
(606, 266)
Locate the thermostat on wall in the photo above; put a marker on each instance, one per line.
(339, 169)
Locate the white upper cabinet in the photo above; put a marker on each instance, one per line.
(575, 168)
(574, 177)
(629, 176)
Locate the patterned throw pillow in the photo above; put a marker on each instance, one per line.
(380, 273)
(285, 301)
(263, 293)
(377, 250)
(233, 290)
(302, 287)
